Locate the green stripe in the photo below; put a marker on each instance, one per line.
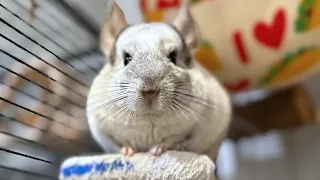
(192, 1)
(302, 23)
(275, 69)
(206, 43)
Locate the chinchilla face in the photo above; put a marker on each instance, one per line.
(151, 63)
(147, 69)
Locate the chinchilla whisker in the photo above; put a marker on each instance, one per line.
(129, 91)
(119, 86)
(106, 103)
(123, 81)
(166, 112)
(115, 116)
(182, 84)
(109, 96)
(108, 93)
(103, 88)
(197, 100)
(115, 86)
(130, 102)
(130, 115)
(109, 90)
(113, 110)
(116, 81)
(130, 110)
(175, 109)
(96, 102)
(185, 106)
(180, 109)
(111, 101)
(124, 109)
(167, 103)
(116, 93)
(112, 82)
(114, 76)
(167, 109)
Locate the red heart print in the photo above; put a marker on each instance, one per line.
(240, 47)
(163, 4)
(272, 35)
(239, 86)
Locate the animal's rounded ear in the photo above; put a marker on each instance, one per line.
(111, 29)
(187, 27)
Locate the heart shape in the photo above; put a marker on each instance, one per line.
(163, 4)
(272, 35)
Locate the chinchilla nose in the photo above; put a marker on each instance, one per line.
(148, 88)
(150, 92)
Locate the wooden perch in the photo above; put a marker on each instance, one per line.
(285, 109)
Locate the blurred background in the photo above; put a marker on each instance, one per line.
(50, 54)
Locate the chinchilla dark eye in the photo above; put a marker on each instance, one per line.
(127, 58)
(172, 56)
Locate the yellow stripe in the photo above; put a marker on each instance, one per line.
(315, 19)
(298, 66)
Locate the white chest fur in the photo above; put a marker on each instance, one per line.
(144, 133)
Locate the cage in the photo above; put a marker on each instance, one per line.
(49, 56)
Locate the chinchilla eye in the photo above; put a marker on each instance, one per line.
(127, 58)
(172, 56)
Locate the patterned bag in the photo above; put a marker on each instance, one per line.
(250, 44)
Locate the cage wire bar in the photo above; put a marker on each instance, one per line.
(46, 67)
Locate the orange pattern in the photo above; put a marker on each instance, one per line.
(299, 66)
(207, 57)
(154, 16)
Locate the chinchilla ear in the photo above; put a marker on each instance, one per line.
(187, 27)
(111, 29)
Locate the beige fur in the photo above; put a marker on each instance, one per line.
(192, 112)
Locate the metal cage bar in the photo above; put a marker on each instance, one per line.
(41, 135)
